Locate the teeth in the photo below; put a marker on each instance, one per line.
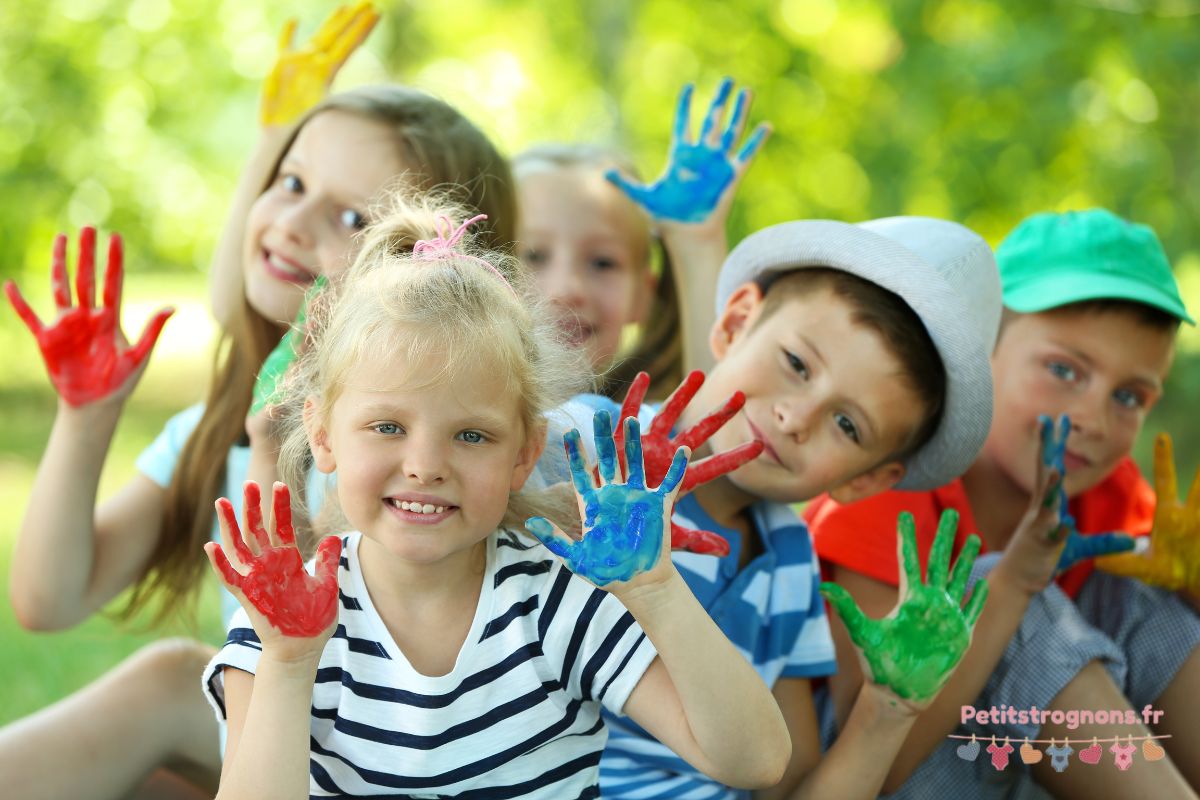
(421, 508)
(283, 267)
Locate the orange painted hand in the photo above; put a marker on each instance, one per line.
(1173, 558)
(301, 76)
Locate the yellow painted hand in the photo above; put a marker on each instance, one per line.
(301, 76)
(1173, 559)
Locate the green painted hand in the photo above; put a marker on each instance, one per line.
(268, 386)
(914, 649)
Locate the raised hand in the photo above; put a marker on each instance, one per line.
(267, 575)
(86, 353)
(1078, 547)
(623, 521)
(301, 76)
(914, 649)
(1173, 558)
(699, 173)
(660, 447)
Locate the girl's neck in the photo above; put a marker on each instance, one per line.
(997, 502)
(395, 582)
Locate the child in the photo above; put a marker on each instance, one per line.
(585, 235)
(861, 350)
(344, 153)
(1091, 315)
(466, 661)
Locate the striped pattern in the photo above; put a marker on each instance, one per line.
(518, 716)
(771, 611)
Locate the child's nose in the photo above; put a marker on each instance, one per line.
(425, 463)
(297, 223)
(1089, 413)
(794, 418)
(563, 283)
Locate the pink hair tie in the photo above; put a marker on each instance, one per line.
(443, 246)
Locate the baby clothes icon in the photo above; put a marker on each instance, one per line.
(1124, 755)
(1151, 751)
(1091, 755)
(999, 754)
(1030, 754)
(969, 751)
(1059, 755)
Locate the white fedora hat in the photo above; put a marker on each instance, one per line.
(944, 272)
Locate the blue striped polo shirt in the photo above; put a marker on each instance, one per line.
(771, 610)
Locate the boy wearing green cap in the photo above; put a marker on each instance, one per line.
(1091, 314)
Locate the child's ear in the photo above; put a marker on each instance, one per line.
(528, 455)
(869, 483)
(741, 309)
(318, 437)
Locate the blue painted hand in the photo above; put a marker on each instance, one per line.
(623, 522)
(699, 173)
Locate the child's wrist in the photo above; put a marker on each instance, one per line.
(881, 705)
(647, 600)
(682, 236)
(287, 660)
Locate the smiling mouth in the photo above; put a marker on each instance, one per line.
(1074, 461)
(768, 451)
(575, 331)
(284, 270)
(418, 512)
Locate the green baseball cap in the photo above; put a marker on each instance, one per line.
(1050, 260)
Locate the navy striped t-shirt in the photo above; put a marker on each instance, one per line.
(519, 714)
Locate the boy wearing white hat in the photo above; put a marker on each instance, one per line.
(862, 353)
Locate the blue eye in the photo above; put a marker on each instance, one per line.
(472, 437)
(1127, 398)
(1062, 371)
(353, 220)
(292, 184)
(387, 428)
(603, 263)
(847, 426)
(796, 363)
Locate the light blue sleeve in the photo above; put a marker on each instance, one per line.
(157, 462)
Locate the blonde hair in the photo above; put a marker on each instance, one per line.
(445, 308)
(440, 148)
(659, 346)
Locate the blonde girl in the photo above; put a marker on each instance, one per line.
(436, 650)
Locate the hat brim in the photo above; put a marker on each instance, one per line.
(1068, 286)
(967, 411)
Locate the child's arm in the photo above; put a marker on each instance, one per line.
(691, 201)
(294, 614)
(297, 82)
(92, 554)
(700, 697)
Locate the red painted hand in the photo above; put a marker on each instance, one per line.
(270, 578)
(86, 353)
(659, 447)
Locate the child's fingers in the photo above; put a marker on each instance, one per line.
(23, 310)
(231, 534)
(548, 534)
(58, 273)
(1104, 544)
(701, 542)
(974, 607)
(670, 482)
(853, 618)
(719, 464)
(636, 192)
(287, 36)
(252, 516)
(281, 515)
(943, 543)
(962, 568)
(85, 275)
(630, 406)
(1193, 498)
(1166, 485)
(606, 449)
(356, 33)
(329, 554)
(220, 564)
(635, 466)
(331, 28)
(716, 111)
(137, 354)
(580, 475)
(683, 110)
(667, 416)
(750, 149)
(698, 434)
(736, 122)
(114, 272)
(906, 553)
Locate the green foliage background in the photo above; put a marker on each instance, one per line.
(136, 115)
